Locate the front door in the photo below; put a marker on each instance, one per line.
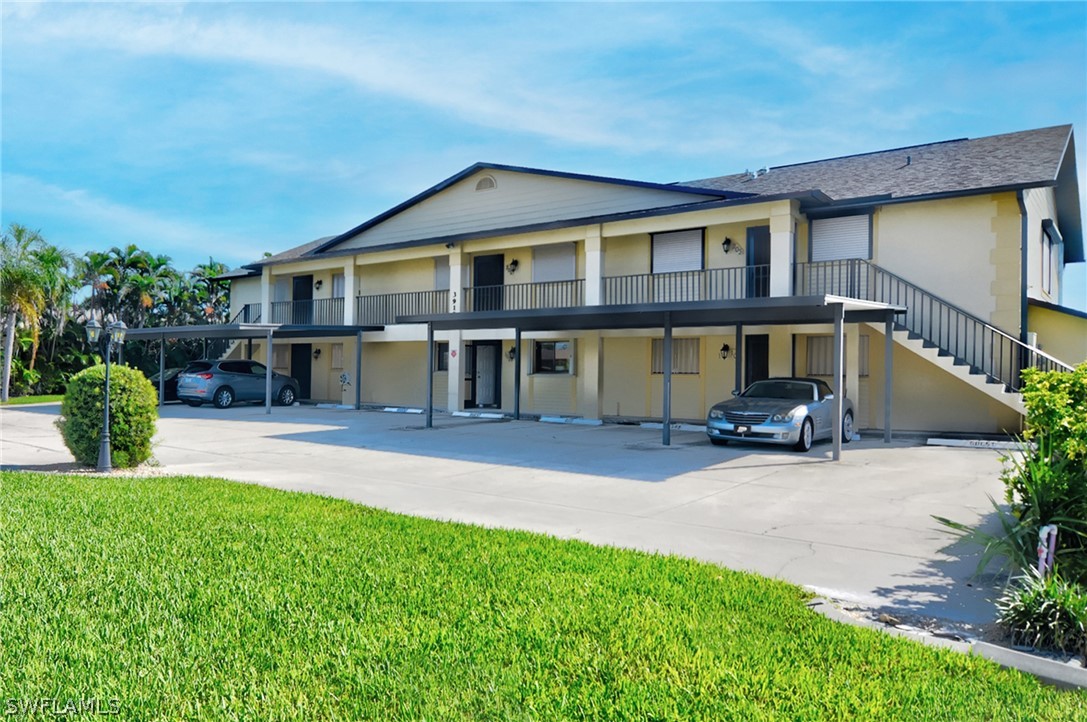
(758, 262)
(485, 375)
(487, 282)
(301, 365)
(302, 308)
(756, 358)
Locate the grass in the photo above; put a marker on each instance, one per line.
(21, 400)
(184, 598)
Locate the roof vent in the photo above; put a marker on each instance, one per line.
(486, 183)
(762, 171)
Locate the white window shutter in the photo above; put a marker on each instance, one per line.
(835, 239)
(553, 263)
(677, 251)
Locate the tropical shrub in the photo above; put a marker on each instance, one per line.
(1046, 611)
(133, 411)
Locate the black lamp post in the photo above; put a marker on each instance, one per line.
(114, 336)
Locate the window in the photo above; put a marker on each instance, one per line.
(441, 356)
(486, 183)
(338, 285)
(441, 273)
(553, 357)
(1047, 260)
(280, 356)
(337, 355)
(678, 251)
(282, 290)
(821, 356)
(553, 263)
(685, 356)
(835, 239)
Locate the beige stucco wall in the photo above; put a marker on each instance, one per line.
(965, 250)
(394, 373)
(1059, 334)
(414, 274)
(243, 291)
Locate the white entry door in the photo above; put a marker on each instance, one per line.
(486, 374)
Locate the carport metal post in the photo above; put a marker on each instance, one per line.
(666, 431)
(836, 417)
(888, 364)
(517, 374)
(430, 375)
(268, 373)
(162, 371)
(358, 371)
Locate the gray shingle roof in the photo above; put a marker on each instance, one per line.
(1013, 159)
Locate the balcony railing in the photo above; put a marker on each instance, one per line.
(525, 296)
(714, 284)
(250, 313)
(383, 309)
(315, 312)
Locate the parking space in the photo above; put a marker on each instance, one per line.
(859, 530)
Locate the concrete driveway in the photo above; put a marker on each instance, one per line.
(860, 530)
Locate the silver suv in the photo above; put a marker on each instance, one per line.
(224, 382)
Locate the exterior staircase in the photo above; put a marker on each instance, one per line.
(935, 329)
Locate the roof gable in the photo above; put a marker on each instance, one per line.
(519, 197)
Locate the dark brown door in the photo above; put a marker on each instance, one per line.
(487, 282)
(302, 308)
(756, 358)
(758, 262)
(301, 367)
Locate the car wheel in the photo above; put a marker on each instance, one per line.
(719, 442)
(224, 397)
(195, 404)
(286, 396)
(847, 427)
(807, 434)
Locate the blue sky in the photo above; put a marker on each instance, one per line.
(228, 130)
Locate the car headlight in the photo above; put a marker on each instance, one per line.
(717, 414)
(784, 417)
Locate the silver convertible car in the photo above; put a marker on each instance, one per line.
(792, 411)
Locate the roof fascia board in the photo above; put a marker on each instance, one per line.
(1056, 308)
(872, 201)
(477, 167)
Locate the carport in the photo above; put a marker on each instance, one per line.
(250, 331)
(803, 310)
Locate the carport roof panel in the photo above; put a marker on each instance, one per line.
(244, 330)
(784, 310)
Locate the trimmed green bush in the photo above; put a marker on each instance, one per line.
(133, 410)
(1047, 612)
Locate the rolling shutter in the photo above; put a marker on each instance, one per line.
(834, 239)
(677, 251)
(553, 263)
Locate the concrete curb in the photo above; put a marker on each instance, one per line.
(1050, 671)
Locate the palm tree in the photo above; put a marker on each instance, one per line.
(22, 291)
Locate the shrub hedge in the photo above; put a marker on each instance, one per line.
(133, 411)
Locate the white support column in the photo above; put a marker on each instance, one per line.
(265, 295)
(349, 293)
(458, 272)
(591, 353)
(268, 373)
(782, 247)
(594, 267)
(836, 416)
(455, 384)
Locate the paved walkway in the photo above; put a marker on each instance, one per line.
(860, 530)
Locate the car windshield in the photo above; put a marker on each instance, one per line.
(792, 390)
(197, 367)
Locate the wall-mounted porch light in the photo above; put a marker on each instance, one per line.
(726, 351)
(316, 353)
(319, 284)
(730, 246)
(512, 353)
(511, 267)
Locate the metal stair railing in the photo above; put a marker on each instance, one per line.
(954, 332)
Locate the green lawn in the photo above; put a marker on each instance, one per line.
(21, 400)
(186, 598)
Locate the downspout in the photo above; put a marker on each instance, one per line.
(1022, 266)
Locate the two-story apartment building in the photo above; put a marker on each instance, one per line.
(543, 290)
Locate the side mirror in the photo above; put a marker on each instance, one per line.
(828, 397)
